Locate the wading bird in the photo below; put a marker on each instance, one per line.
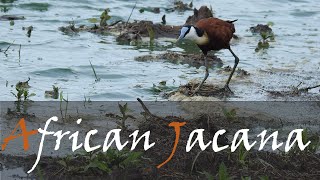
(211, 34)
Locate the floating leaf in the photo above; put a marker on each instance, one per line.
(93, 20)
(141, 10)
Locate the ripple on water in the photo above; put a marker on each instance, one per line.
(55, 72)
(300, 13)
(35, 6)
(111, 95)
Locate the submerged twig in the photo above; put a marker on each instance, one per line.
(308, 88)
(135, 5)
(94, 72)
(5, 52)
(298, 91)
(19, 52)
(129, 16)
(115, 23)
(146, 110)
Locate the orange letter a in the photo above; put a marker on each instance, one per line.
(24, 133)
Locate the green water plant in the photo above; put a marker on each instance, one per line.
(99, 162)
(266, 37)
(124, 115)
(62, 99)
(223, 172)
(229, 114)
(310, 149)
(54, 93)
(104, 17)
(124, 110)
(22, 91)
(161, 87)
(242, 154)
(314, 141)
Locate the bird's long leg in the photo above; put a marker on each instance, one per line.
(205, 77)
(236, 61)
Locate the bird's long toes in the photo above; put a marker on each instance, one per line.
(194, 92)
(227, 90)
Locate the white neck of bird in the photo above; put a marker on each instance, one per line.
(193, 36)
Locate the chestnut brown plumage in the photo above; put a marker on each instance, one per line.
(211, 34)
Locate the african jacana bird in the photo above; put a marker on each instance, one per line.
(211, 34)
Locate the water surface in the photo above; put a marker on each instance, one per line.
(50, 57)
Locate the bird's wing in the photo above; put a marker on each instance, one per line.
(217, 29)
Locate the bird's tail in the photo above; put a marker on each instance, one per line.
(232, 21)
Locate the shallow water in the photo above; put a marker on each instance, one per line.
(50, 57)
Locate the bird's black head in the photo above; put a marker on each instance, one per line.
(190, 32)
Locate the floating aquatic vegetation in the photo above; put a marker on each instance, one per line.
(71, 29)
(104, 17)
(23, 85)
(22, 91)
(295, 91)
(260, 28)
(134, 31)
(195, 60)
(207, 90)
(264, 42)
(29, 30)
(54, 93)
(93, 20)
(180, 6)
(11, 18)
(161, 88)
(240, 72)
(155, 10)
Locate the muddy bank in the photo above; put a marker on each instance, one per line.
(196, 164)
